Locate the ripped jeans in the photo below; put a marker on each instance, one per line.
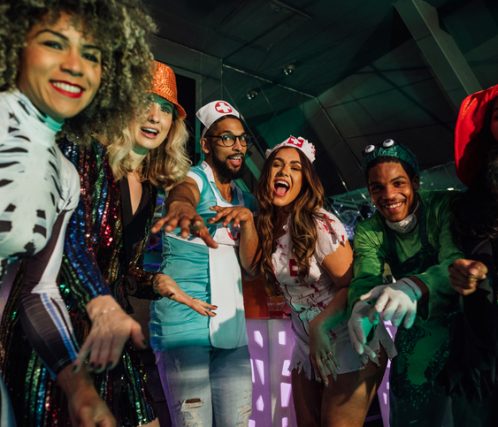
(206, 386)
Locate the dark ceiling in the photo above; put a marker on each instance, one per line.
(344, 74)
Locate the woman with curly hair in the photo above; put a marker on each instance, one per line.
(60, 72)
(111, 225)
(120, 30)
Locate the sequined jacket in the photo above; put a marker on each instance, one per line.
(94, 262)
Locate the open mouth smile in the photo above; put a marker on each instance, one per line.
(67, 89)
(235, 160)
(281, 187)
(149, 132)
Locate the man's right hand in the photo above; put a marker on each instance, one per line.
(182, 214)
(465, 275)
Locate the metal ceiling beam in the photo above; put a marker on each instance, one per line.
(439, 50)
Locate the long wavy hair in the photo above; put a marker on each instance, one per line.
(121, 29)
(164, 166)
(303, 213)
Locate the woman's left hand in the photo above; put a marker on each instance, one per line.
(237, 215)
(322, 350)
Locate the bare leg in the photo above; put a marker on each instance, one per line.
(346, 400)
(307, 397)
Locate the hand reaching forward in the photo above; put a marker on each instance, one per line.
(165, 286)
(183, 215)
(465, 275)
(396, 302)
(111, 328)
(237, 215)
(363, 319)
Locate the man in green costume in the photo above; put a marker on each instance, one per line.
(410, 232)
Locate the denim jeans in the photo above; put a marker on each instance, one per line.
(206, 386)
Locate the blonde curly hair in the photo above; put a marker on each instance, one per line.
(121, 29)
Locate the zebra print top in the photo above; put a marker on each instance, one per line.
(39, 190)
(37, 182)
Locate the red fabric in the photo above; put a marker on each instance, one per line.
(255, 299)
(470, 152)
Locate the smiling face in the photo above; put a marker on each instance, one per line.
(150, 132)
(60, 68)
(227, 162)
(391, 190)
(286, 177)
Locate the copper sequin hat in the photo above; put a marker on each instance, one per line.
(164, 85)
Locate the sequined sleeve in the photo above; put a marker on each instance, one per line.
(80, 271)
(139, 283)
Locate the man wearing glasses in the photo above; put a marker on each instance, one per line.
(410, 232)
(198, 331)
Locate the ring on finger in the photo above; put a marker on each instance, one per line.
(196, 227)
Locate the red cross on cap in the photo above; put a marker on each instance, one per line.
(298, 142)
(223, 107)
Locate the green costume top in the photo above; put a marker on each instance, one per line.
(422, 254)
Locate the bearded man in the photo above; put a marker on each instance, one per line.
(202, 354)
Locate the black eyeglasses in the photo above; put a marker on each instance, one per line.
(229, 139)
(385, 144)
